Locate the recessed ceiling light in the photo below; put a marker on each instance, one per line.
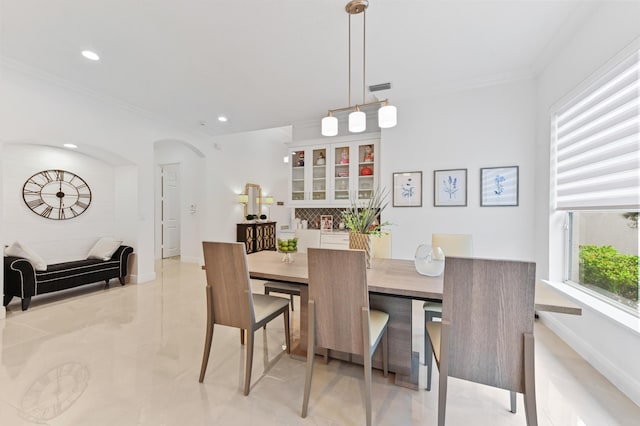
(90, 55)
(222, 118)
(70, 145)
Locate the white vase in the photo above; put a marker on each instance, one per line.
(429, 260)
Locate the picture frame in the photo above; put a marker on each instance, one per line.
(407, 189)
(499, 186)
(450, 188)
(326, 222)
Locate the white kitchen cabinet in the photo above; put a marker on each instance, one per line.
(334, 240)
(307, 238)
(309, 181)
(332, 174)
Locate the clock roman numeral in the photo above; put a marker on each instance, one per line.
(84, 195)
(82, 205)
(46, 212)
(35, 203)
(73, 212)
(32, 181)
(60, 175)
(46, 176)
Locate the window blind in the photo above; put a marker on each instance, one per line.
(596, 141)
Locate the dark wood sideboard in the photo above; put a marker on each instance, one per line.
(257, 236)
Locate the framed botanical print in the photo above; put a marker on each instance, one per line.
(407, 189)
(450, 188)
(499, 186)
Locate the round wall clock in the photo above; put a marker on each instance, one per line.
(56, 194)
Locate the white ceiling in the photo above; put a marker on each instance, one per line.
(270, 63)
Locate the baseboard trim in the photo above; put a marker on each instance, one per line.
(627, 385)
(138, 279)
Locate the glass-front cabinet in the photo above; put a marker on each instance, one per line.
(309, 181)
(333, 174)
(367, 171)
(342, 172)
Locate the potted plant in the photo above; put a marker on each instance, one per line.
(361, 219)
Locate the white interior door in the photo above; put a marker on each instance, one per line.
(170, 210)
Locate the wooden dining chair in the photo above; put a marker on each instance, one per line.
(486, 333)
(458, 245)
(339, 317)
(230, 301)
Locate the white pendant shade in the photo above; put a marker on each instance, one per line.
(387, 116)
(329, 126)
(357, 122)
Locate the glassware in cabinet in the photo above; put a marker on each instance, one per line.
(341, 176)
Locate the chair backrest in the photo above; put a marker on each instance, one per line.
(381, 246)
(489, 305)
(457, 245)
(228, 282)
(338, 287)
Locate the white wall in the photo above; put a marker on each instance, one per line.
(251, 157)
(56, 240)
(192, 192)
(36, 108)
(486, 127)
(608, 346)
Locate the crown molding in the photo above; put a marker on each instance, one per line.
(39, 74)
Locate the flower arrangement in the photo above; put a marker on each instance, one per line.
(362, 216)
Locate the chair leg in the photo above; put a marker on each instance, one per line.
(311, 344)
(367, 353)
(428, 356)
(367, 384)
(292, 303)
(249, 362)
(208, 337)
(444, 373)
(207, 351)
(385, 353)
(287, 335)
(530, 410)
(513, 397)
(242, 336)
(266, 292)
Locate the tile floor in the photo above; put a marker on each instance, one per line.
(131, 356)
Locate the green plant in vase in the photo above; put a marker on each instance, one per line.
(361, 219)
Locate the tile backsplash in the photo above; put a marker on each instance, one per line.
(312, 216)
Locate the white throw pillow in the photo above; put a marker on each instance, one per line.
(104, 248)
(18, 249)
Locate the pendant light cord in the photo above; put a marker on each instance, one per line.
(349, 95)
(364, 45)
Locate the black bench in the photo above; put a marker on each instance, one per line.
(23, 281)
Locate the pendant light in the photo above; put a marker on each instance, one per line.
(387, 114)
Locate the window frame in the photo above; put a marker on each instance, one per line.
(610, 308)
(567, 269)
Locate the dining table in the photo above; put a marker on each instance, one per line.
(393, 285)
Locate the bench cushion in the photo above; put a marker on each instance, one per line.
(65, 275)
